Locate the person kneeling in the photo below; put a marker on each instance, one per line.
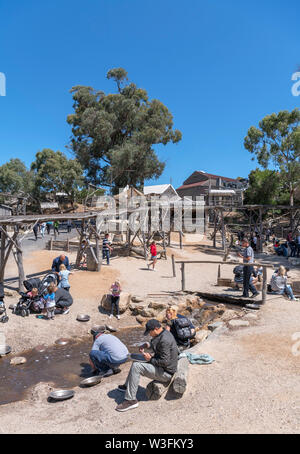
(107, 353)
(161, 366)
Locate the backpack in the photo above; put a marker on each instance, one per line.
(238, 271)
(182, 327)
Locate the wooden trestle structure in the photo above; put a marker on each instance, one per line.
(254, 214)
(13, 230)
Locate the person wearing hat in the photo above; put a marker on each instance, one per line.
(107, 353)
(160, 366)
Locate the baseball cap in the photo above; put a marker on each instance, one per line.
(150, 325)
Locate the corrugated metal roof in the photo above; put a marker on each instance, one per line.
(157, 189)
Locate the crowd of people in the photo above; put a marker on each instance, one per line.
(47, 227)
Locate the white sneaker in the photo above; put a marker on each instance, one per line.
(66, 311)
(118, 317)
(111, 316)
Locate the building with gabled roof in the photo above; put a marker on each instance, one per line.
(161, 190)
(216, 189)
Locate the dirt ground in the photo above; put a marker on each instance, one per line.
(252, 387)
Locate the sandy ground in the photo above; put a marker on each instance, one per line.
(252, 387)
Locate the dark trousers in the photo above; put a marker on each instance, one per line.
(115, 303)
(247, 271)
(105, 254)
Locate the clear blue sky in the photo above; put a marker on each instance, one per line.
(218, 65)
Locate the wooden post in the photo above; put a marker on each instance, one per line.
(173, 265)
(219, 271)
(68, 245)
(144, 245)
(182, 277)
(215, 228)
(260, 231)
(180, 239)
(98, 254)
(264, 289)
(19, 260)
(223, 231)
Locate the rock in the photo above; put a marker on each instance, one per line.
(193, 301)
(123, 303)
(137, 299)
(161, 316)
(250, 316)
(238, 323)
(201, 335)
(141, 320)
(18, 360)
(148, 313)
(229, 314)
(158, 305)
(215, 325)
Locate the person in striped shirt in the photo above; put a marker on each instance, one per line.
(106, 248)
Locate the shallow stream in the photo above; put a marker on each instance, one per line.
(63, 365)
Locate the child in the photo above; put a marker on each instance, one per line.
(115, 297)
(37, 303)
(153, 253)
(50, 302)
(63, 276)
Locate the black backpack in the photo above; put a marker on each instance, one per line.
(182, 327)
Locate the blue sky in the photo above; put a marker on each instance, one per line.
(219, 66)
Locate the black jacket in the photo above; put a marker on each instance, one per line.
(63, 298)
(165, 352)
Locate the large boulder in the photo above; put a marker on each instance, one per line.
(137, 308)
(158, 305)
(229, 314)
(201, 335)
(141, 320)
(137, 299)
(123, 303)
(148, 312)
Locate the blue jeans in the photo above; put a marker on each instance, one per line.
(102, 360)
(105, 253)
(288, 291)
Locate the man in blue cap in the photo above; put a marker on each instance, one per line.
(160, 366)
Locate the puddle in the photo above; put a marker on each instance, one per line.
(63, 365)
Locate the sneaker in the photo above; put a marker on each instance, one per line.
(254, 295)
(116, 370)
(66, 311)
(122, 388)
(127, 405)
(107, 373)
(295, 299)
(111, 316)
(118, 317)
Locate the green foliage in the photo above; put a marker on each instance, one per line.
(54, 172)
(14, 177)
(277, 141)
(87, 192)
(265, 188)
(115, 133)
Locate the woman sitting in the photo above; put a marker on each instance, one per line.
(181, 327)
(279, 284)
